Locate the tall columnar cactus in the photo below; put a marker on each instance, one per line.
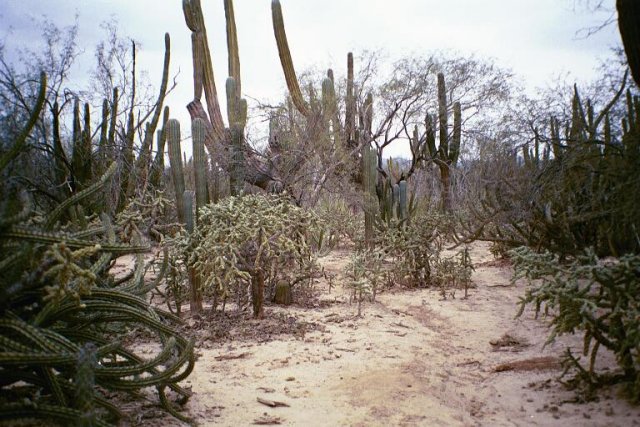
(350, 104)
(369, 178)
(446, 154)
(232, 45)
(175, 161)
(184, 198)
(200, 166)
(237, 115)
(143, 163)
(81, 162)
(402, 201)
(157, 167)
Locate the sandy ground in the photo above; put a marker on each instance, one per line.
(412, 359)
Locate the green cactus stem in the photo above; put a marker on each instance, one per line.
(369, 175)
(144, 160)
(232, 45)
(198, 131)
(350, 107)
(175, 161)
(157, 168)
(402, 201)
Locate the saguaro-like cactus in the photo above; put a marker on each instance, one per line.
(446, 154)
(369, 178)
(200, 167)
(237, 114)
(175, 161)
(184, 198)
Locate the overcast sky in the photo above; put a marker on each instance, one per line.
(535, 38)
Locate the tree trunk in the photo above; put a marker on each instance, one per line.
(257, 293)
(195, 302)
(445, 179)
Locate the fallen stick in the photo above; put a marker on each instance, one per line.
(401, 325)
(271, 403)
(345, 349)
(232, 356)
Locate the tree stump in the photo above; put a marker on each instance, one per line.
(283, 293)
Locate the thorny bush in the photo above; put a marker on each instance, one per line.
(249, 242)
(597, 298)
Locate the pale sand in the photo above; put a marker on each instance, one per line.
(412, 359)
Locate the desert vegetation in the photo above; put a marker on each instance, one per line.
(122, 259)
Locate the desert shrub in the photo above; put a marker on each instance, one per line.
(598, 298)
(367, 271)
(250, 241)
(413, 247)
(571, 190)
(451, 273)
(338, 221)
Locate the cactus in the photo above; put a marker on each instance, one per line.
(370, 173)
(60, 161)
(285, 59)
(402, 201)
(144, 159)
(85, 381)
(350, 105)
(175, 160)
(446, 155)
(157, 168)
(57, 297)
(200, 166)
(185, 199)
(21, 140)
(237, 114)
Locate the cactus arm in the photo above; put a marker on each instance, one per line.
(350, 107)
(145, 152)
(285, 59)
(202, 59)
(94, 188)
(443, 117)
(22, 138)
(232, 44)
(454, 149)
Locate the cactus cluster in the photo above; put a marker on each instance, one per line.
(226, 144)
(62, 312)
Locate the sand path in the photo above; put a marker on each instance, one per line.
(412, 359)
